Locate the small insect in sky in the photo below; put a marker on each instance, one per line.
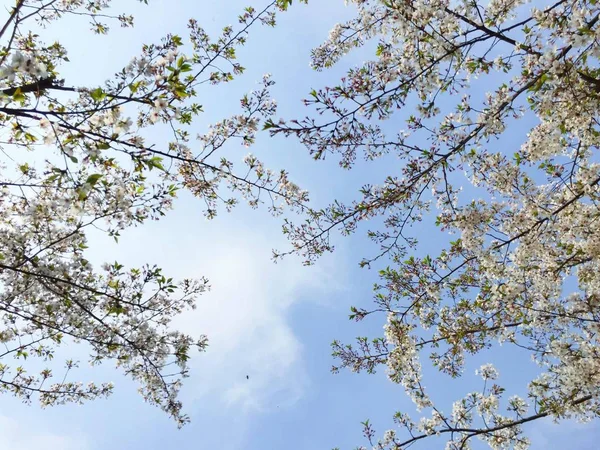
(247, 377)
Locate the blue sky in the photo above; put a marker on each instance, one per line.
(271, 322)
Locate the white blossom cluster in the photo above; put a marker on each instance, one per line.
(77, 158)
(23, 64)
(499, 109)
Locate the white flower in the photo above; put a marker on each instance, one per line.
(123, 126)
(40, 71)
(171, 55)
(154, 116)
(161, 62)
(18, 59)
(487, 372)
(161, 103)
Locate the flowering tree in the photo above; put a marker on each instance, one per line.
(78, 157)
(465, 79)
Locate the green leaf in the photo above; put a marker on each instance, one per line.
(176, 40)
(116, 309)
(98, 95)
(155, 162)
(518, 158)
(18, 96)
(284, 4)
(93, 179)
(181, 92)
(268, 124)
(133, 87)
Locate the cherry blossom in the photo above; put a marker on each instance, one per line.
(450, 88)
(95, 167)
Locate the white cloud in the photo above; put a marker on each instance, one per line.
(246, 315)
(17, 435)
(545, 434)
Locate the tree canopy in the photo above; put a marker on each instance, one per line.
(103, 172)
(488, 112)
